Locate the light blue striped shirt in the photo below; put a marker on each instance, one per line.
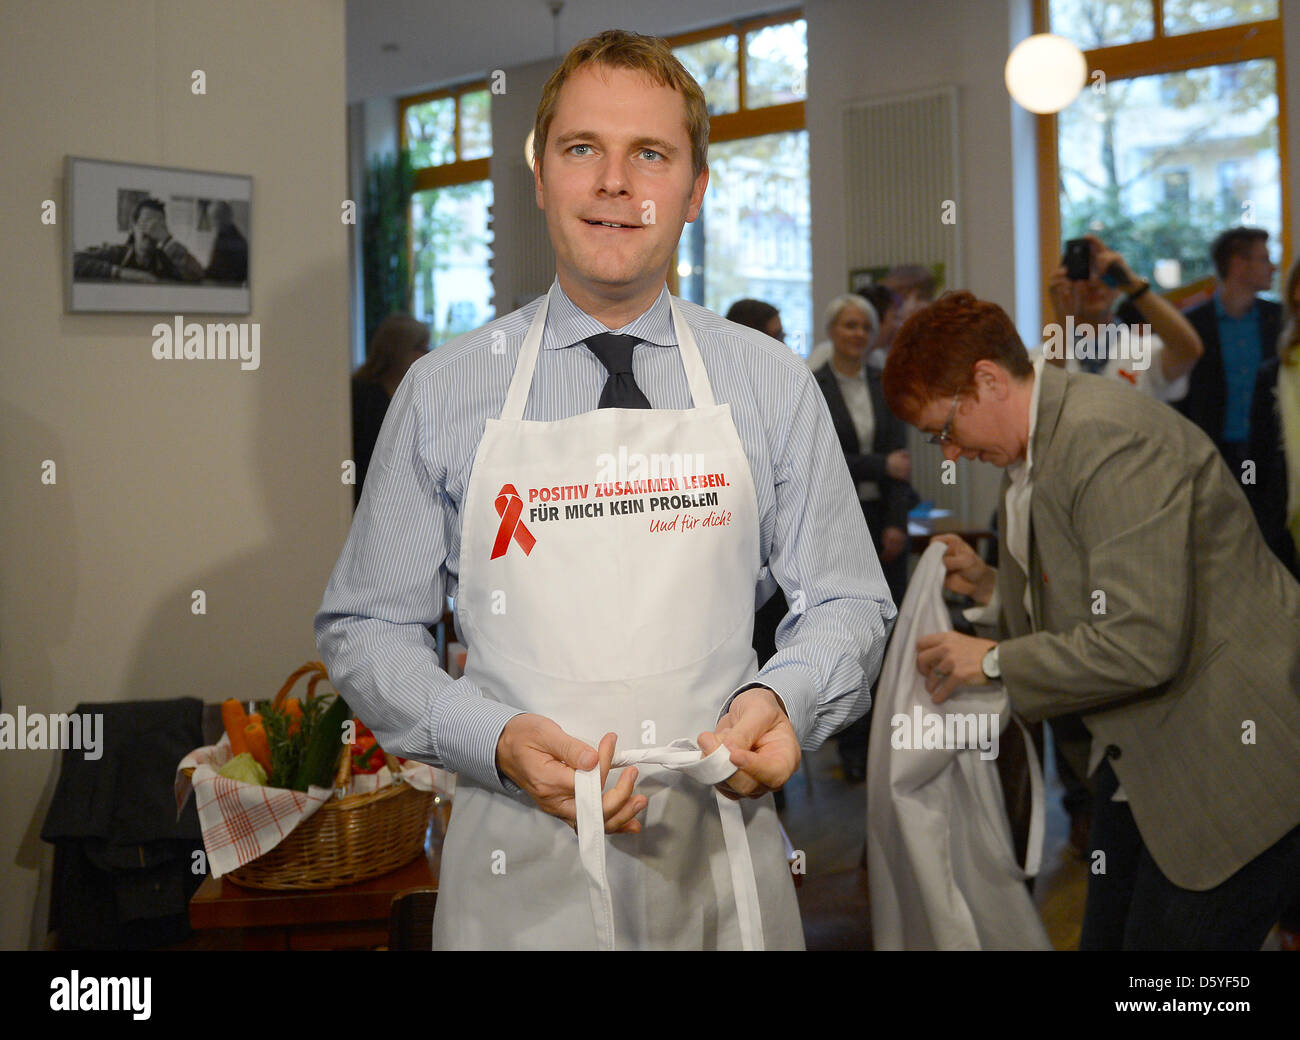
(402, 557)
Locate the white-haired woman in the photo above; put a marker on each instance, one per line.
(873, 440)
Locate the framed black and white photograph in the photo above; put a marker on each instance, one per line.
(156, 239)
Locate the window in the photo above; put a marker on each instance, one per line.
(1172, 143)
(753, 235)
(1176, 187)
(449, 134)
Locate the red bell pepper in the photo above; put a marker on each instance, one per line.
(367, 755)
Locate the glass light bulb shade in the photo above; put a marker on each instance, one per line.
(1045, 73)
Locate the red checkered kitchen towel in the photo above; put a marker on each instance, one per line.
(243, 821)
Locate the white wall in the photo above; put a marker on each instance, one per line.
(524, 263)
(858, 52)
(171, 476)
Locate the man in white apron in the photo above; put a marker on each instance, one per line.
(604, 507)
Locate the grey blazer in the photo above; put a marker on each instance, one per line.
(1161, 616)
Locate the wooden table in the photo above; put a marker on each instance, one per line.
(349, 918)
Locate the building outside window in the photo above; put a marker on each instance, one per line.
(753, 236)
(450, 136)
(1170, 142)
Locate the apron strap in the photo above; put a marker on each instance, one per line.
(1037, 805)
(682, 756)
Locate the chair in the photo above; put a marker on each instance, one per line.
(410, 921)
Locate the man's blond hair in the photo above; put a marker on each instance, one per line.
(648, 55)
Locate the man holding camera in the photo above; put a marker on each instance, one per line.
(1135, 334)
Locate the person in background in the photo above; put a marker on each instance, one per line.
(872, 440)
(1239, 332)
(1275, 438)
(149, 254)
(912, 285)
(1113, 316)
(1104, 494)
(907, 288)
(1110, 316)
(229, 260)
(887, 312)
(398, 343)
(1275, 494)
(765, 318)
(756, 314)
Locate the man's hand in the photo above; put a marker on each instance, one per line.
(898, 464)
(950, 659)
(541, 758)
(154, 224)
(1064, 295)
(1102, 258)
(968, 575)
(764, 748)
(893, 540)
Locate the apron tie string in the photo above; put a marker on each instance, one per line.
(682, 756)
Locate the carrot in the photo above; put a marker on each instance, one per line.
(234, 719)
(258, 746)
(293, 711)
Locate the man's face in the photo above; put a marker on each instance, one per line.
(1095, 300)
(617, 153)
(979, 428)
(143, 229)
(1255, 269)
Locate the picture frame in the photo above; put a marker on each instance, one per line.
(156, 239)
(862, 277)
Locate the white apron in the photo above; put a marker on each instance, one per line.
(576, 609)
(941, 864)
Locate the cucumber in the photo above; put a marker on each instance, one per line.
(321, 758)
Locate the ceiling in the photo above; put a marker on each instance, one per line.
(446, 41)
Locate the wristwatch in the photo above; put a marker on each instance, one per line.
(1137, 293)
(992, 671)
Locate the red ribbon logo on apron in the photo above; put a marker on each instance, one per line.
(509, 508)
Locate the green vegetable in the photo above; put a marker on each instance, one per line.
(324, 747)
(244, 768)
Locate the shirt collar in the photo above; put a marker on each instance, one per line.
(567, 324)
(1022, 470)
(1222, 315)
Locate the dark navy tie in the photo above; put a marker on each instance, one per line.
(615, 353)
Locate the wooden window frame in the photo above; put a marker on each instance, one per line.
(458, 171)
(1158, 55)
(745, 121)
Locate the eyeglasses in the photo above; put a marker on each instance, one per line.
(945, 435)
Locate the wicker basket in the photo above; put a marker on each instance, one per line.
(347, 839)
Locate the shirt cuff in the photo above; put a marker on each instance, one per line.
(796, 694)
(986, 614)
(466, 731)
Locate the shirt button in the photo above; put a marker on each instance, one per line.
(1113, 751)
